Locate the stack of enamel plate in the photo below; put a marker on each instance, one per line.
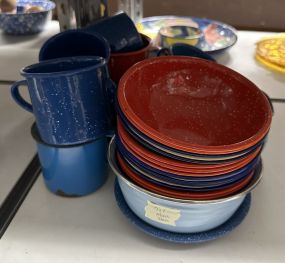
(189, 138)
(189, 128)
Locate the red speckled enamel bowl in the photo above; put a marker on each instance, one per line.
(194, 105)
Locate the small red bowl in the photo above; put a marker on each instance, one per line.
(165, 163)
(179, 194)
(194, 105)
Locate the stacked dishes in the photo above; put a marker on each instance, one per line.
(190, 132)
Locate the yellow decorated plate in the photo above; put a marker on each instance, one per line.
(269, 65)
(272, 50)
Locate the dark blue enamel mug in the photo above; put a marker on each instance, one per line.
(70, 98)
(74, 42)
(75, 170)
(119, 30)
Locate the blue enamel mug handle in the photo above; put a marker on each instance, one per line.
(18, 97)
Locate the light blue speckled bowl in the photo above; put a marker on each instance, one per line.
(177, 215)
(27, 23)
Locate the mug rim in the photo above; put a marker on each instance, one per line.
(102, 62)
(77, 31)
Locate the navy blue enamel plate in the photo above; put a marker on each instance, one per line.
(181, 238)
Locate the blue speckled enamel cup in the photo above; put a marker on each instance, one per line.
(75, 170)
(70, 99)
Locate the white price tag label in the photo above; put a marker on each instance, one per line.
(162, 214)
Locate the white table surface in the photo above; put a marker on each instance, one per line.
(48, 228)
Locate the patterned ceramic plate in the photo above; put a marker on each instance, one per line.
(217, 36)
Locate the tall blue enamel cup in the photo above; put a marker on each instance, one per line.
(70, 98)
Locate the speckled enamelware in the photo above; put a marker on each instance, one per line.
(218, 36)
(171, 152)
(194, 105)
(138, 145)
(171, 182)
(211, 172)
(132, 144)
(188, 157)
(75, 170)
(27, 23)
(75, 42)
(182, 216)
(121, 62)
(69, 98)
(184, 176)
(183, 238)
(174, 193)
(119, 30)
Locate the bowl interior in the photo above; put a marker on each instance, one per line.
(193, 101)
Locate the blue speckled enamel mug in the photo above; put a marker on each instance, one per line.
(75, 170)
(70, 98)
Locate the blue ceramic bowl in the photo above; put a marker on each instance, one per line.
(27, 23)
(178, 215)
(75, 170)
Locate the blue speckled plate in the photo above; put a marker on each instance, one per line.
(193, 238)
(217, 36)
